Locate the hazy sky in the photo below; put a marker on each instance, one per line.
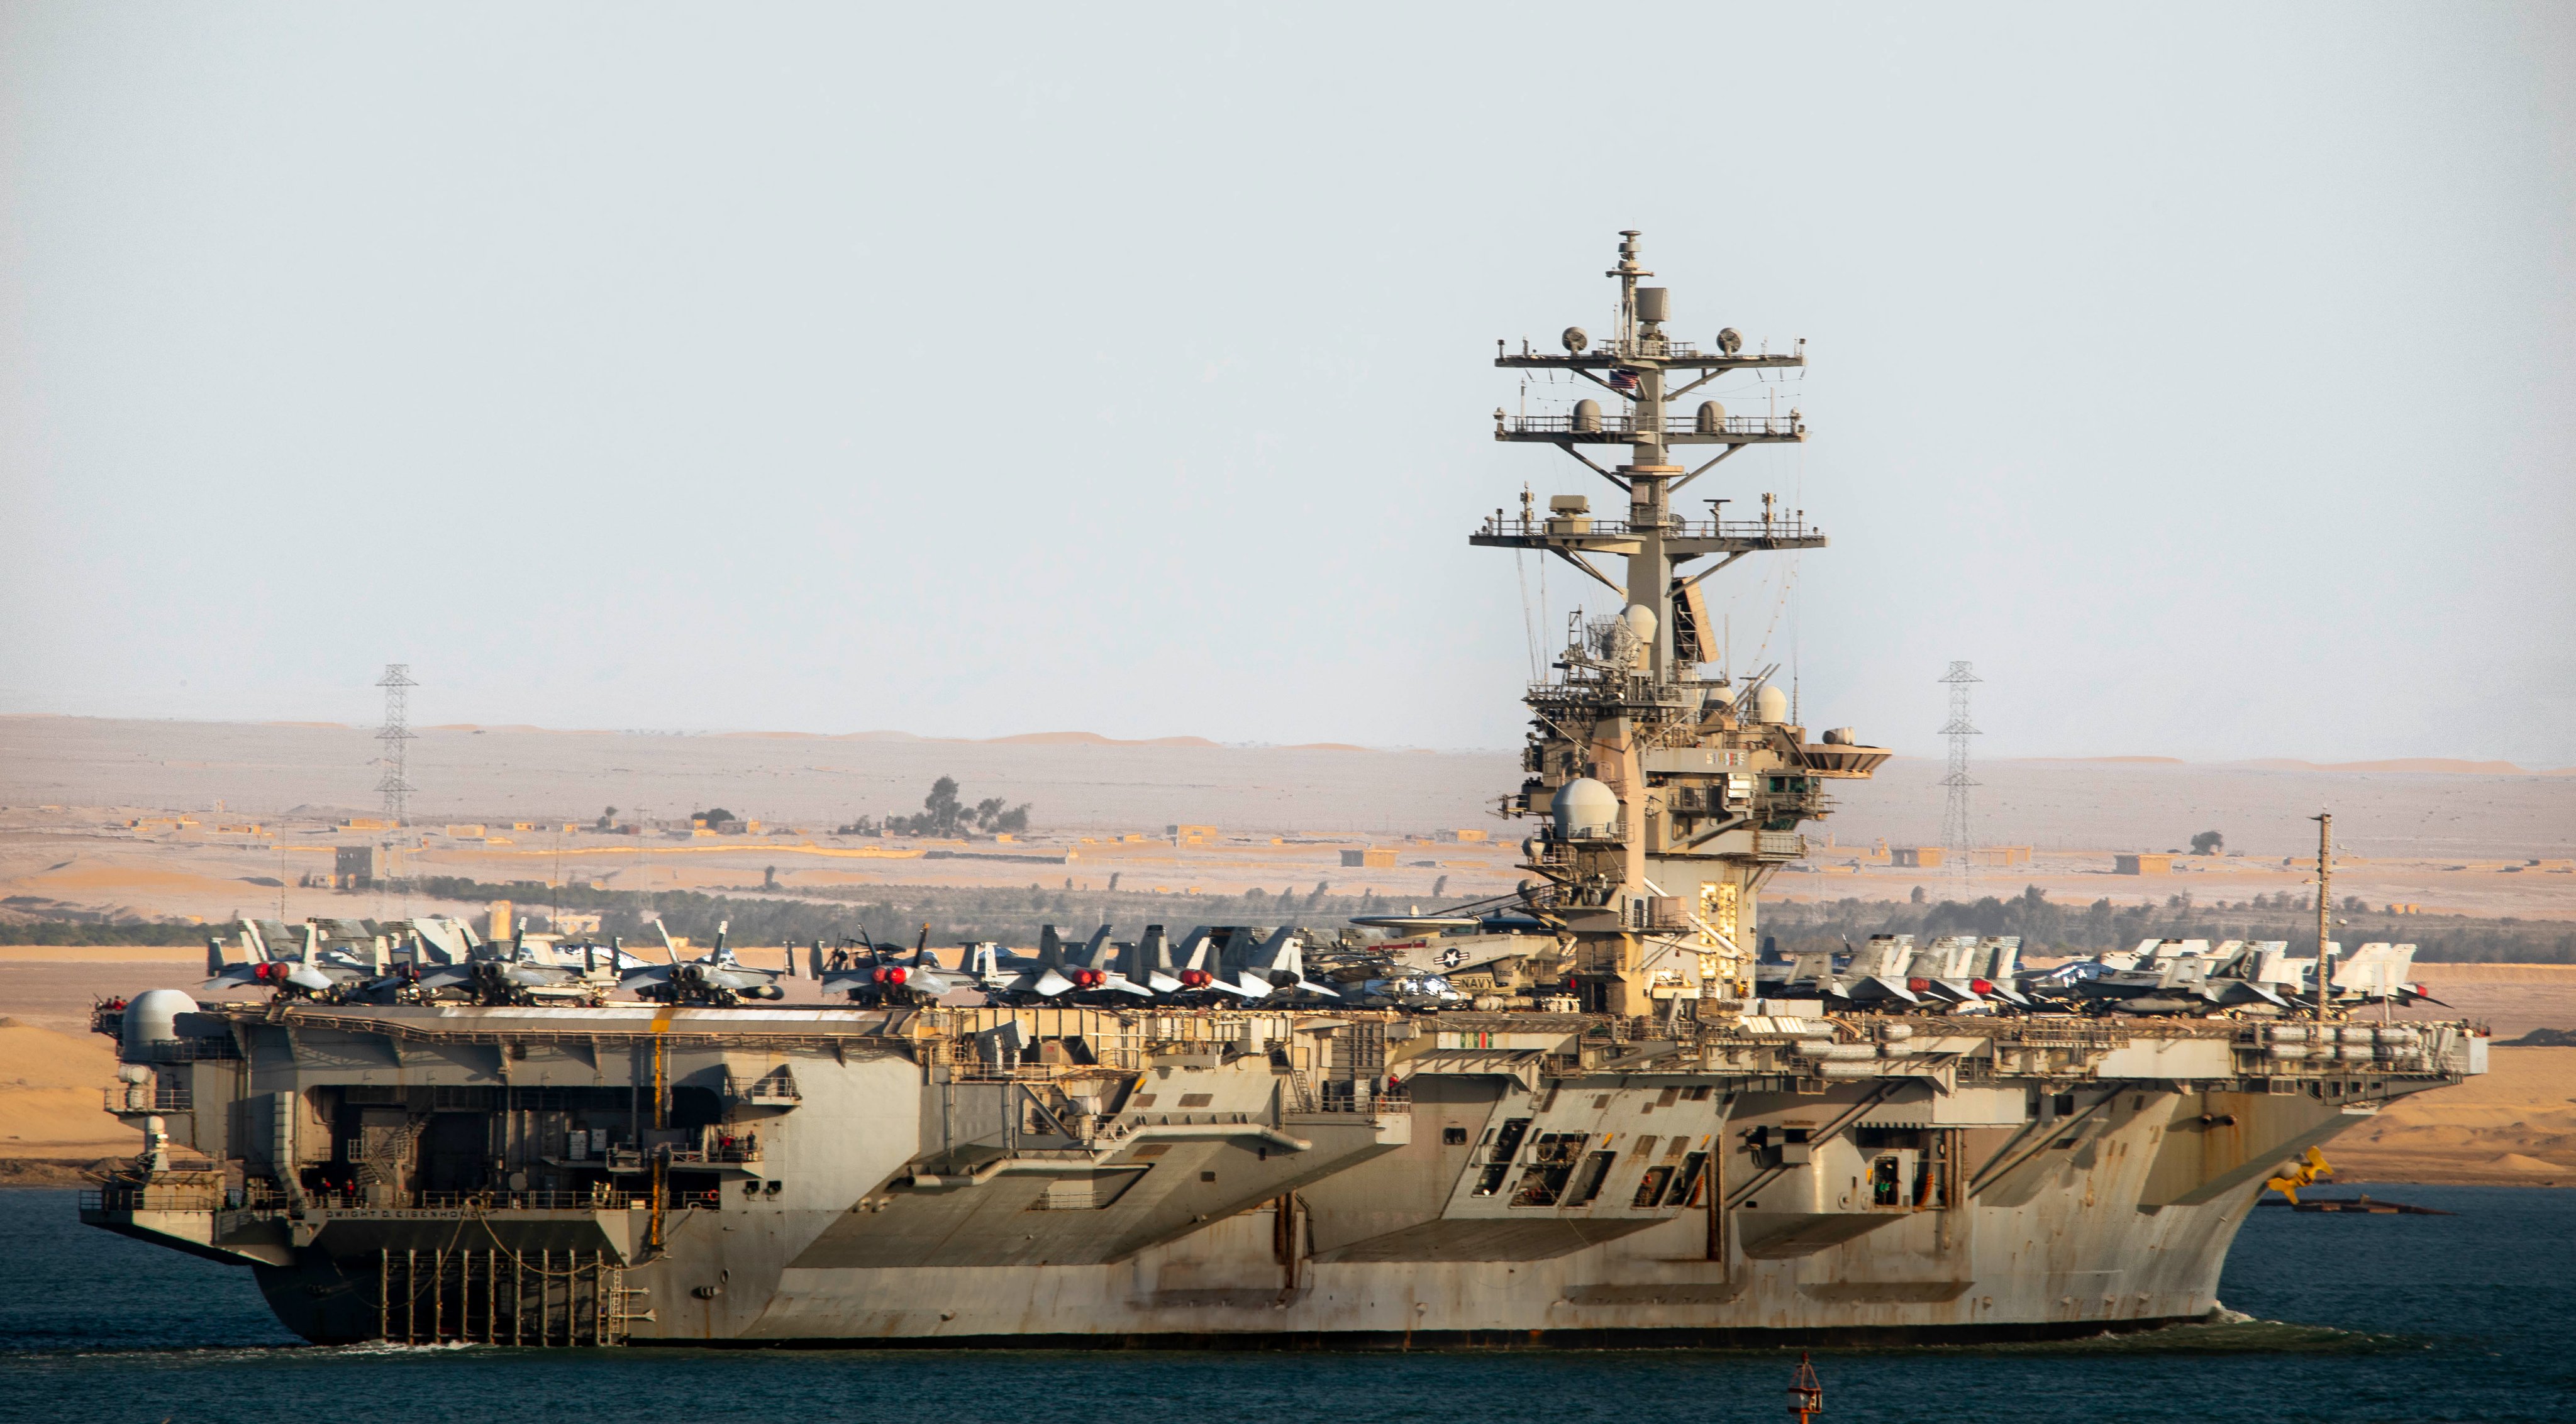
(2207, 375)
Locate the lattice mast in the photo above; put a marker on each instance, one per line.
(1956, 837)
(1670, 793)
(396, 738)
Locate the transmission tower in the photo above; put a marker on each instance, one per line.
(1954, 814)
(396, 787)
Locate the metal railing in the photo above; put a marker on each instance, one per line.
(1750, 530)
(194, 1050)
(1665, 348)
(1136, 1120)
(1343, 1097)
(150, 1198)
(449, 1203)
(526, 1201)
(162, 1096)
(1555, 850)
(1752, 426)
(770, 1088)
(126, 1197)
(631, 1159)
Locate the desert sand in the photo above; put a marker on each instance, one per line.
(1074, 781)
(50, 1093)
(2515, 1126)
(2479, 840)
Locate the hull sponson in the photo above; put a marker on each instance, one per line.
(1227, 1179)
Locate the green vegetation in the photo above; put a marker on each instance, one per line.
(945, 815)
(2050, 928)
(105, 932)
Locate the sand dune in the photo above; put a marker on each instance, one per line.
(2516, 1124)
(50, 1086)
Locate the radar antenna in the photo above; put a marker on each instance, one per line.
(1673, 793)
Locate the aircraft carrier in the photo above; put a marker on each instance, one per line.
(1591, 1115)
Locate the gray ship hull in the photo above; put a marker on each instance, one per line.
(1243, 1180)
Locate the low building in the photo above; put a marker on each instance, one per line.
(2143, 863)
(2000, 857)
(1371, 856)
(1915, 857)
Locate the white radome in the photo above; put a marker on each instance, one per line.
(1584, 808)
(153, 1018)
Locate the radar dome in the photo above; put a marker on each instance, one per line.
(153, 1018)
(1640, 620)
(1770, 704)
(1585, 808)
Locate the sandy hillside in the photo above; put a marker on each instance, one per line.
(50, 1087)
(2515, 1125)
(2512, 999)
(512, 773)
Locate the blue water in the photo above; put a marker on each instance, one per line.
(2467, 1317)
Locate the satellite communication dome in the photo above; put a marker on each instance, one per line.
(1640, 620)
(1585, 808)
(1770, 704)
(153, 1018)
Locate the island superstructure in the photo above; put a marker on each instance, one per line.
(1639, 1134)
(1669, 796)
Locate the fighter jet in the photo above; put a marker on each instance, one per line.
(314, 973)
(2158, 977)
(1056, 972)
(880, 975)
(519, 972)
(1801, 976)
(1195, 969)
(1958, 970)
(1149, 962)
(716, 978)
(1880, 972)
(1266, 967)
(2375, 972)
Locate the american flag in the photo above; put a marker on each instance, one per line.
(1623, 380)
